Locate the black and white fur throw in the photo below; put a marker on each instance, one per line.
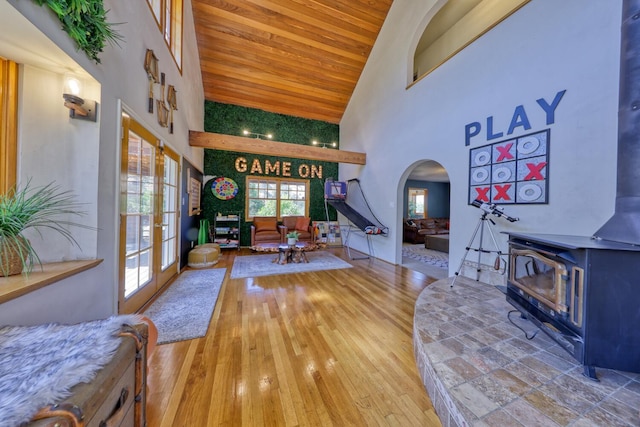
(39, 364)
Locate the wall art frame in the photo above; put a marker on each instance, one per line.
(512, 171)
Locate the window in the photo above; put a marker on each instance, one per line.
(168, 14)
(456, 25)
(417, 203)
(276, 197)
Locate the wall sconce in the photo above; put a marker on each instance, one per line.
(84, 109)
(257, 135)
(324, 145)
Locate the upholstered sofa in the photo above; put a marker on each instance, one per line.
(414, 229)
(300, 224)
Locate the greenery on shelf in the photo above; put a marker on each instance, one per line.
(36, 208)
(85, 22)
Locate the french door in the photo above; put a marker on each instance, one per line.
(149, 216)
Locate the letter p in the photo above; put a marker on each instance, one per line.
(471, 130)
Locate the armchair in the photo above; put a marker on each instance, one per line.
(265, 230)
(301, 224)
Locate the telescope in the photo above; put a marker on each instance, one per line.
(492, 208)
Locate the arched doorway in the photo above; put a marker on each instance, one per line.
(425, 208)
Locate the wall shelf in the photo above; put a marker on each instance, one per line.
(15, 286)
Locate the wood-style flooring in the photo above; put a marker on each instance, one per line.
(311, 349)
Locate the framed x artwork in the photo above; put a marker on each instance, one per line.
(514, 171)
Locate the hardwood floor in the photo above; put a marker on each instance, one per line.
(312, 349)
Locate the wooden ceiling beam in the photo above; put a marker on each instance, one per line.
(241, 144)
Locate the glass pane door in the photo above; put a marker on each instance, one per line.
(167, 223)
(148, 216)
(139, 214)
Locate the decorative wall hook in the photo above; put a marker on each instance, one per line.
(151, 67)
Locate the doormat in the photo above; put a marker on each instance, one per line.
(183, 311)
(263, 265)
(428, 256)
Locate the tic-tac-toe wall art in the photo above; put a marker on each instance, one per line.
(514, 171)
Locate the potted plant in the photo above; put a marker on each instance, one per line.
(36, 208)
(292, 237)
(86, 23)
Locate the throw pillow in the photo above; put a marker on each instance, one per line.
(410, 223)
(265, 225)
(302, 223)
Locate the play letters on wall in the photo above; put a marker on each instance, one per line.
(514, 170)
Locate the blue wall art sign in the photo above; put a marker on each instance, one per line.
(519, 119)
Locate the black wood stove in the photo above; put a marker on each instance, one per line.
(583, 292)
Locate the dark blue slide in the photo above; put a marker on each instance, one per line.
(358, 220)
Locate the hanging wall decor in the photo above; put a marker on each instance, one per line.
(163, 111)
(173, 105)
(151, 67)
(224, 188)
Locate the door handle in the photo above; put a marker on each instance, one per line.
(160, 225)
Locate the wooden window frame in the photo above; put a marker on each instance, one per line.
(9, 71)
(411, 193)
(278, 182)
(171, 23)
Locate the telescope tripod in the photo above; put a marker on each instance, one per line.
(480, 249)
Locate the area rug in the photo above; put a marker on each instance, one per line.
(429, 256)
(40, 364)
(263, 265)
(184, 311)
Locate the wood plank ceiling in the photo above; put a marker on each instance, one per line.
(295, 57)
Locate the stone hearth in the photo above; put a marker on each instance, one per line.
(480, 370)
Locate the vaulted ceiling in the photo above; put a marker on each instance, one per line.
(295, 57)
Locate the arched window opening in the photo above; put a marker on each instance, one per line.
(455, 26)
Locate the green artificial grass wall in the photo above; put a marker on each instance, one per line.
(232, 120)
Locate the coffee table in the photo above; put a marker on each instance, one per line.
(286, 253)
(437, 242)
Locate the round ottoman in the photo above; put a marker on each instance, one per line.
(205, 255)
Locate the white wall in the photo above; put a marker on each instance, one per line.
(545, 47)
(54, 148)
(85, 157)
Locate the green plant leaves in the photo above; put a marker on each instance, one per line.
(36, 208)
(85, 22)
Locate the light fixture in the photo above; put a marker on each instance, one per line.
(257, 135)
(324, 145)
(84, 109)
(79, 108)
